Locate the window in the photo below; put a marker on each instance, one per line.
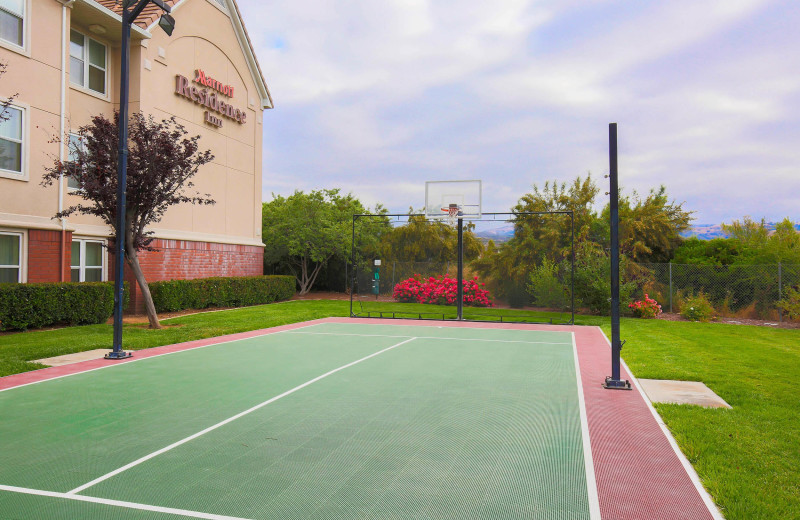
(11, 142)
(74, 144)
(12, 16)
(87, 62)
(87, 261)
(10, 255)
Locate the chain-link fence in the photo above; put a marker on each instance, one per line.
(737, 291)
(411, 269)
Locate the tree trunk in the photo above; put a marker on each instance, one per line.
(133, 261)
(307, 280)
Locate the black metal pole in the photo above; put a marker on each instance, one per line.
(572, 273)
(128, 17)
(353, 270)
(616, 344)
(122, 170)
(460, 274)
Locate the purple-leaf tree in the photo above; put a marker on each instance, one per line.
(161, 162)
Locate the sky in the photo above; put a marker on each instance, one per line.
(377, 97)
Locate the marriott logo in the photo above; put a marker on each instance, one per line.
(210, 99)
(207, 81)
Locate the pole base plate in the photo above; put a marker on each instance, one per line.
(616, 384)
(118, 355)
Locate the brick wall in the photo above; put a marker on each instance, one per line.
(183, 259)
(43, 256)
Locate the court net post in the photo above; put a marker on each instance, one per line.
(614, 382)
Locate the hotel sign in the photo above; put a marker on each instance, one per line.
(211, 97)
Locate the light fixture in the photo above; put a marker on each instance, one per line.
(97, 29)
(167, 23)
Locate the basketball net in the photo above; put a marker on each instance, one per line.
(452, 214)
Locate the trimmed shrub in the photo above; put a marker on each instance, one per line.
(177, 295)
(35, 305)
(698, 308)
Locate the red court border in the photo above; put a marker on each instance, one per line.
(638, 472)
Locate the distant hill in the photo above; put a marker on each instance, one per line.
(705, 232)
(702, 231)
(710, 231)
(498, 234)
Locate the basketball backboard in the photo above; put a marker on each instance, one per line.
(440, 195)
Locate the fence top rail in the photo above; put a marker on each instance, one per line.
(716, 266)
(484, 214)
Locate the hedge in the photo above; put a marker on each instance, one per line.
(34, 305)
(176, 295)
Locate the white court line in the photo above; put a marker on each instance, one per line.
(445, 325)
(135, 359)
(588, 459)
(226, 421)
(119, 503)
(693, 476)
(429, 337)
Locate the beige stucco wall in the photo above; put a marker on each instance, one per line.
(34, 75)
(204, 38)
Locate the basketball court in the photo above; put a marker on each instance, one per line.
(344, 418)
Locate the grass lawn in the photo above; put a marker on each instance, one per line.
(747, 457)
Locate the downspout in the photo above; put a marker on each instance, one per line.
(62, 129)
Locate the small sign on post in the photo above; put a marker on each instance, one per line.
(376, 279)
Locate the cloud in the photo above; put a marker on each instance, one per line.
(377, 97)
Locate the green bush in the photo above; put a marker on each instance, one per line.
(698, 308)
(177, 295)
(790, 304)
(546, 288)
(35, 305)
(592, 283)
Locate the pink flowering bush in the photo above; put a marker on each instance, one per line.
(647, 308)
(441, 291)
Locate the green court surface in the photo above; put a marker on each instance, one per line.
(333, 420)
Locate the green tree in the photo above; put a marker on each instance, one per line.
(650, 230)
(717, 251)
(649, 227)
(424, 240)
(304, 231)
(549, 236)
(759, 245)
(161, 163)
(509, 266)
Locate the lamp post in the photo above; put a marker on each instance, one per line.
(167, 23)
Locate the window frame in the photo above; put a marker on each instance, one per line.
(22, 272)
(87, 65)
(24, 132)
(24, 48)
(83, 145)
(81, 267)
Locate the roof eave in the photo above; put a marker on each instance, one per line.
(108, 13)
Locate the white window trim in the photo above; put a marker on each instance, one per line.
(70, 189)
(26, 139)
(85, 88)
(23, 253)
(26, 23)
(224, 9)
(82, 265)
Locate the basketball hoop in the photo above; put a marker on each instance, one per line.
(452, 214)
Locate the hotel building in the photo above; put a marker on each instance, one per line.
(62, 63)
